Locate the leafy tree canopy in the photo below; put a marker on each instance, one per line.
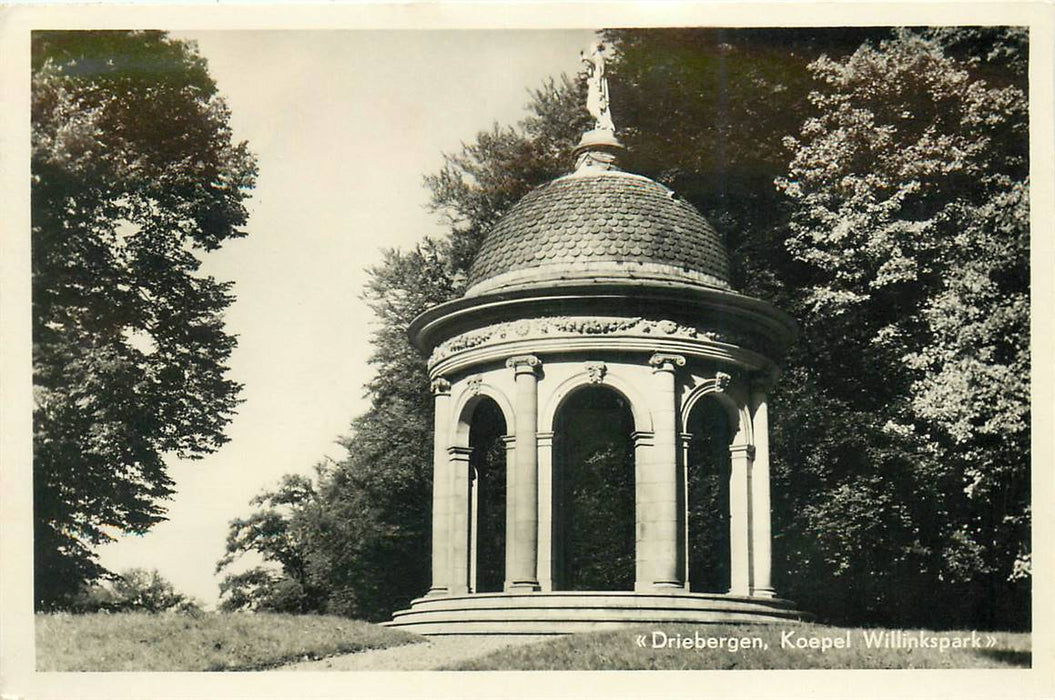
(279, 534)
(135, 174)
(909, 188)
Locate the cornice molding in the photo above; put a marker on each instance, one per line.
(722, 307)
(547, 327)
(613, 350)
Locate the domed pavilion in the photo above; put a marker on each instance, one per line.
(601, 423)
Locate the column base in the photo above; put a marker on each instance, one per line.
(763, 593)
(436, 591)
(664, 586)
(523, 587)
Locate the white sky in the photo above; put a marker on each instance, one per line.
(344, 125)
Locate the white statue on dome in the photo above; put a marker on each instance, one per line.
(597, 87)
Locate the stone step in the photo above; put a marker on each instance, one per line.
(566, 612)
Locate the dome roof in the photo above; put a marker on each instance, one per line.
(599, 226)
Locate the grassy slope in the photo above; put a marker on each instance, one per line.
(208, 642)
(619, 650)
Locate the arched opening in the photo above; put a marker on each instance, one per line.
(593, 482)
(488, 469)
(707, 512)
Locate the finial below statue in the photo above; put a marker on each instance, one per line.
(597, 87)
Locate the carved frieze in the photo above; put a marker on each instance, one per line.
(572, 326)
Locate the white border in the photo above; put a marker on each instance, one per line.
(17, 678)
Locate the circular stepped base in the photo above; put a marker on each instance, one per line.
(566, 612)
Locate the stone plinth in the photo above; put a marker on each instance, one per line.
(568, 612)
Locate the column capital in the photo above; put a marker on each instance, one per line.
(759, 395)
(441, 387)
(524, 364)
(722, 380)
(665, 362)
(763, 380)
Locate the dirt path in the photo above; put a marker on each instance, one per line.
(420, 656)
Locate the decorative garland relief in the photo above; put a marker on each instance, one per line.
(570, 326)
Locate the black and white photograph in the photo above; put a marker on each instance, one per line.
(382, 350)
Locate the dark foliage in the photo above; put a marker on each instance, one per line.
(708, 499)
(489, 468)
(594, 464)
(134, 176)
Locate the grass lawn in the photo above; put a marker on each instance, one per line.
(246, 641)
(622, 650)
(205, 642)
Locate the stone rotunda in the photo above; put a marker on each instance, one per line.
(600, 349)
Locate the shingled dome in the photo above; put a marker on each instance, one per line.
(599, 226)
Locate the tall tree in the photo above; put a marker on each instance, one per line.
(374, 548)
(910, 190)
(280, 532)
(704, 111)
(135, 176)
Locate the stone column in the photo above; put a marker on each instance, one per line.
(660, 490)
(761, 529)
(545, 511)
(643, 444)
(474, 526)
(510, 444)
(460, 522)
(683, 511)
(524, 575)
(739, 519)
(441, 389)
